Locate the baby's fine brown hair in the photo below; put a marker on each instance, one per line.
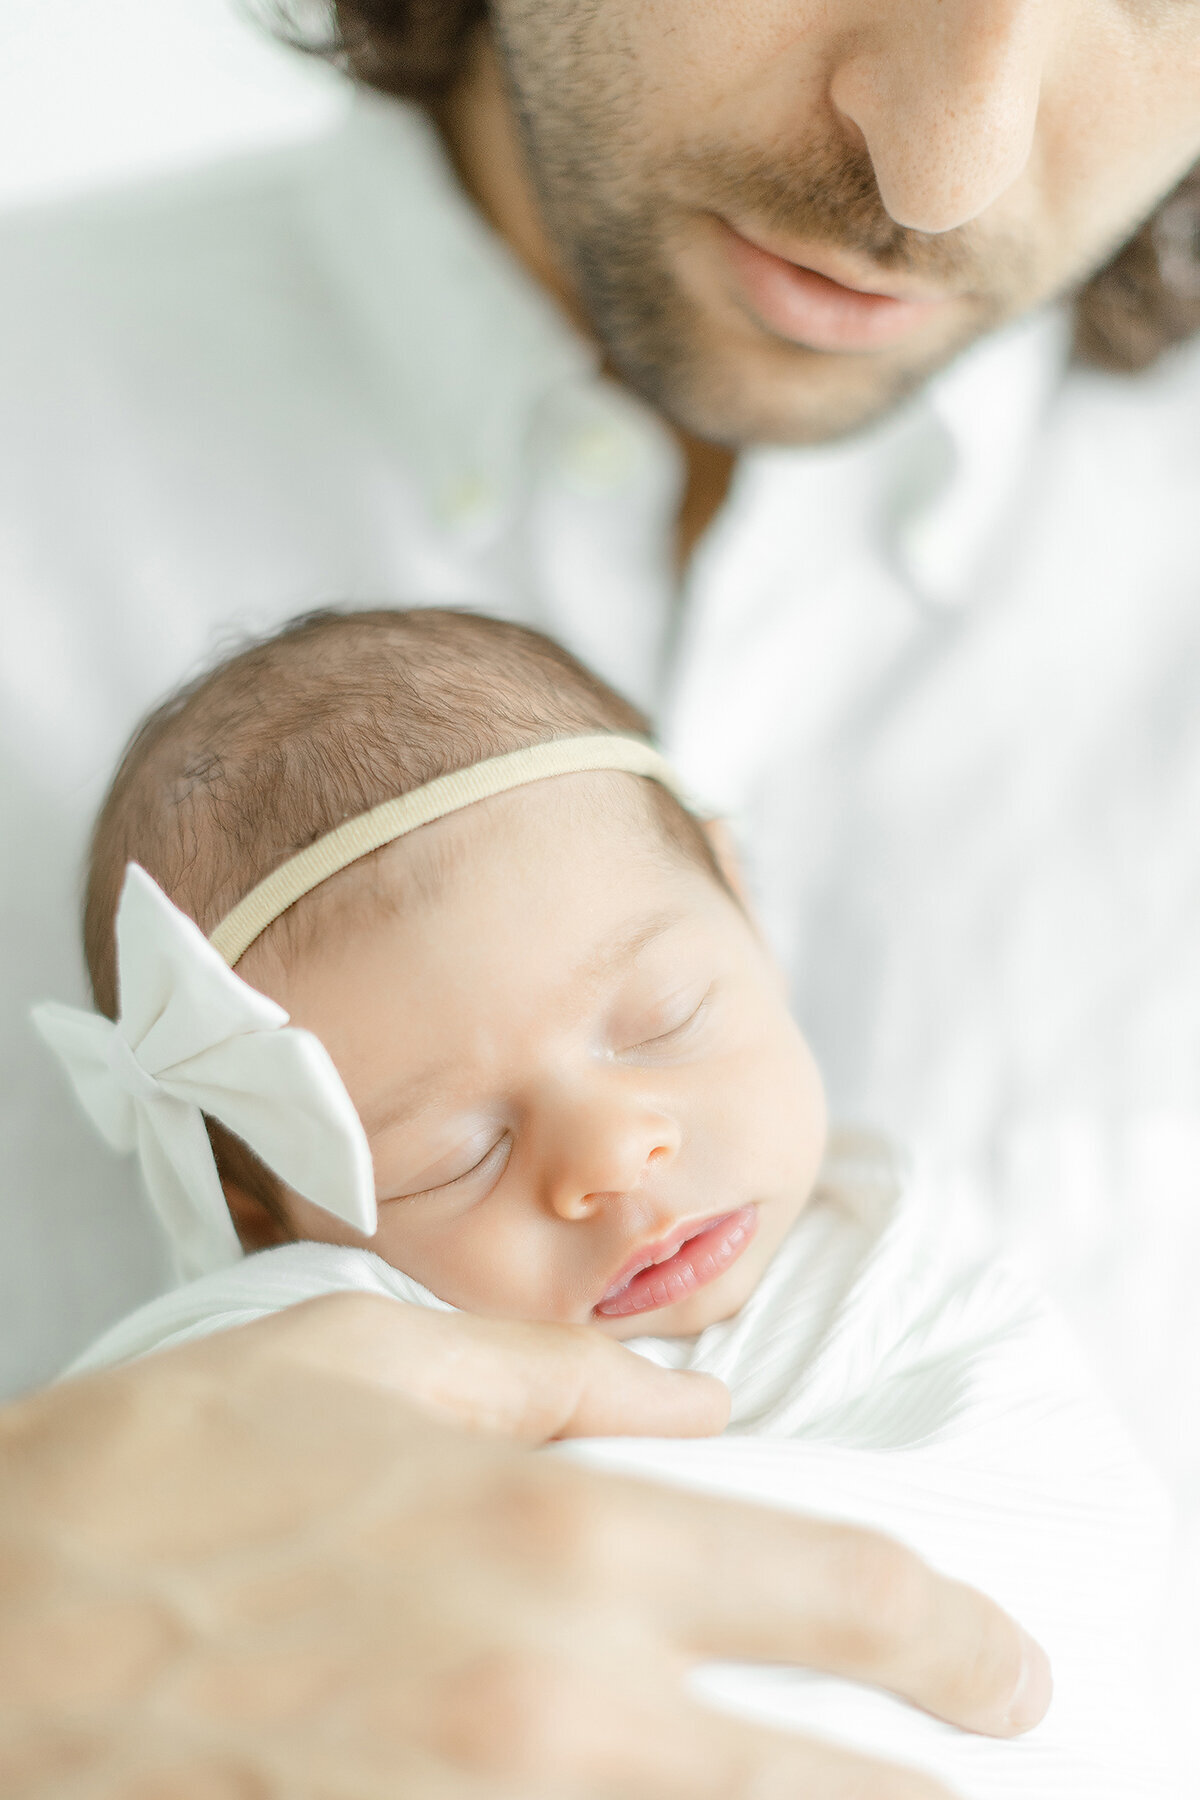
(324, 719)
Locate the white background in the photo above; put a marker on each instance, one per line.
(95, 91)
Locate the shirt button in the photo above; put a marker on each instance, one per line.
(599, 455)
(469, 500)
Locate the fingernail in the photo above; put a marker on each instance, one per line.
(1035, 1686)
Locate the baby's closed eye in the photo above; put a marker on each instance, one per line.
(666, 1025)
(473, 1164)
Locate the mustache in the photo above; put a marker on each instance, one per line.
(828, 194)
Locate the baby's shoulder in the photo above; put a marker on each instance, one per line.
(248, 1289)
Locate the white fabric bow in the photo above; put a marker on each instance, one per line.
(193, 1038)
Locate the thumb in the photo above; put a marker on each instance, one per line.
(505, 1377)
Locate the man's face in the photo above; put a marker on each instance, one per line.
(780, 216)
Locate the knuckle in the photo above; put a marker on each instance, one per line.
(888, 1589)
(334, 1313)
(584, 1343)
(899, 1594)
(586, 1356)
(986, 1670)
(343, 1303)
(506, 1715)
(576, 1364)
(563, 1524)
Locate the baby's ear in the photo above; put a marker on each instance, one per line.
(720, 839)
(257, 1228)
(252, 1194)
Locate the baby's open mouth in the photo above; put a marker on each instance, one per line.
(676, 1266)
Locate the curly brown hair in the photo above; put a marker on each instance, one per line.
(1141, 303)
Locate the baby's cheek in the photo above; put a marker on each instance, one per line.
(777, 1108)
(492, 1259)
(435, 1251)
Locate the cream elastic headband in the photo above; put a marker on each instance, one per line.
(448, 794)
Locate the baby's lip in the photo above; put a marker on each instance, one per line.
(664, 1250)
(659, 1250)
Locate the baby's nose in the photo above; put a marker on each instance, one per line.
(604, 1155)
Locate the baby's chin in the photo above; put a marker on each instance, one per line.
(688, 1318)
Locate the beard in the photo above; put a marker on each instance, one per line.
(730, 379)
(638, 233)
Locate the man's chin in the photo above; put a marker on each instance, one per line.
(802, 397)
(732, 383)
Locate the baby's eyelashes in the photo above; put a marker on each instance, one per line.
(456, 1172)
(668, 1026)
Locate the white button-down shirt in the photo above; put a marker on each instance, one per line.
(943, 675)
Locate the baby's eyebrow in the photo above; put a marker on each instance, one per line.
(628, 943)
(391, 1111)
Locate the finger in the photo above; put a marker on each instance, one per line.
(733, 1580)
(738, 1580)
(536, 1383)
(702, 1756)
(505, 1377)
(620, 1394)
(539, 1382)
(531, 1724)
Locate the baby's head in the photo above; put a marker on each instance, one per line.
(570, 1050)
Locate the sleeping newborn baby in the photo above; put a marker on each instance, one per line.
(502, 1036)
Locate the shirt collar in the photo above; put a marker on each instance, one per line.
(467, 344)
(966, 455)
(472, 348)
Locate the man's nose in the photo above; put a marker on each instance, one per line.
(601, 1146)
(945, 95)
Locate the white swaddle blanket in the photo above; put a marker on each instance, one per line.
(882, 1372)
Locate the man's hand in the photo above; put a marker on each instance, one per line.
(247, 1568)
(509, 1379)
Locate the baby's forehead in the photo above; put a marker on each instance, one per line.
(625, 820)
(583, 863)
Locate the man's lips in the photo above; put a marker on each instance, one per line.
(689, 1258)
(810, 306)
